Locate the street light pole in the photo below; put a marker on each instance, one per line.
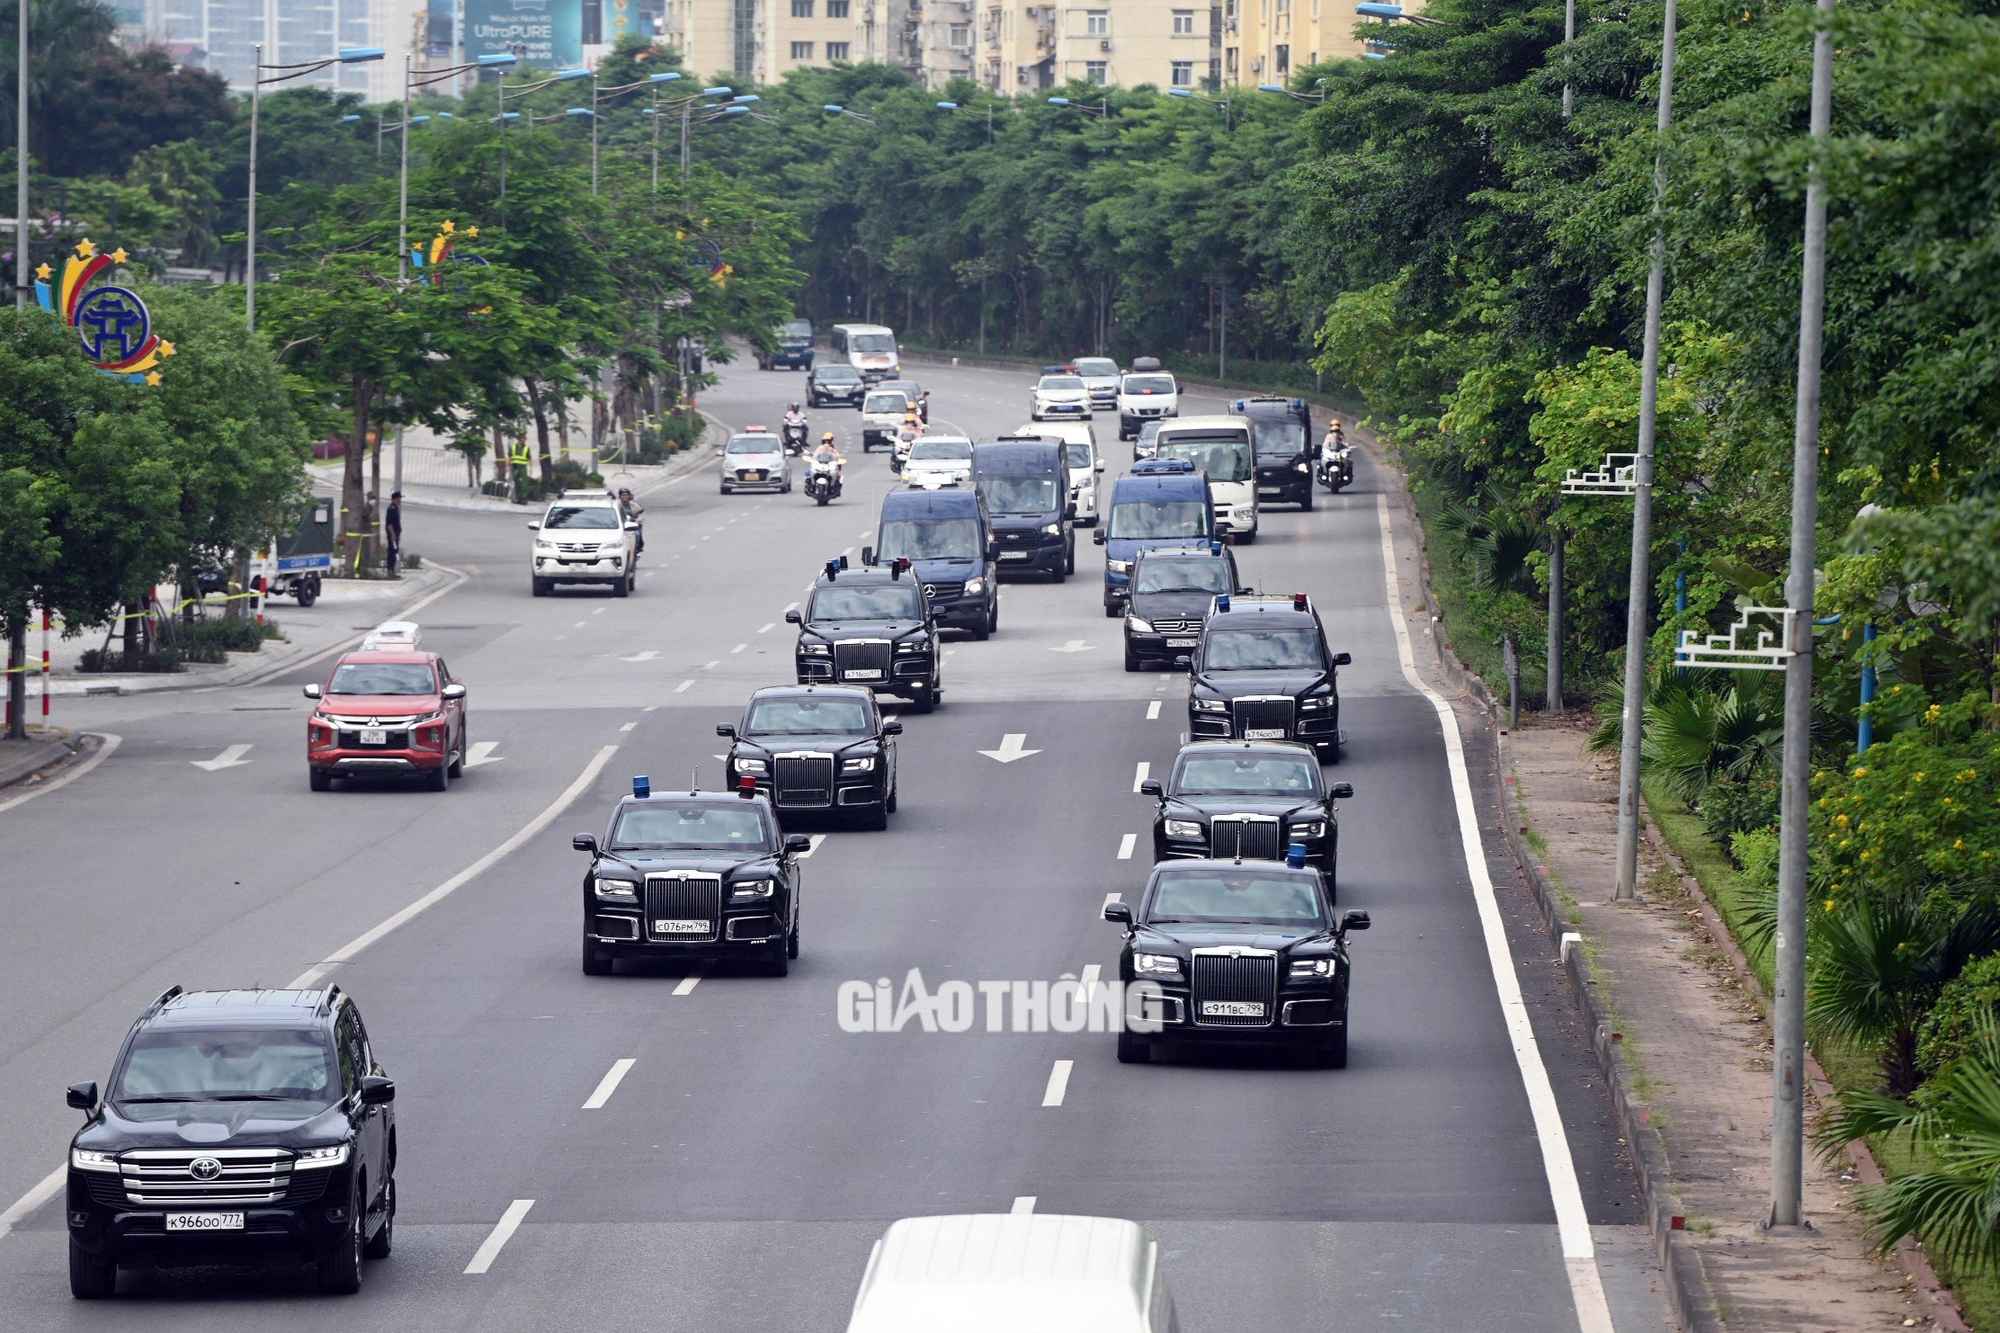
(21, 267)
(1569, 35)
(687, 113)
(1626, 883)
(403, 182)
(593, 134)
(1788, 1011)
(250, 239)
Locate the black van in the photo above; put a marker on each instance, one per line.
(1025, 487)
(946, 538)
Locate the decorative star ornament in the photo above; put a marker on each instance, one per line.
(153, 378)
(119, 256)
(84, 249)
(44, 272)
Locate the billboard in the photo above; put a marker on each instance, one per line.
(547, 34)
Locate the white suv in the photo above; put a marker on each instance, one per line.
(585, 538)
(1145, 393)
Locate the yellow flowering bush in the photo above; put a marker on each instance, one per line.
(1902, 819)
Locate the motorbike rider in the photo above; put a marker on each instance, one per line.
(795, 423)
(1336, 438)
(828, 454)
(631, 510)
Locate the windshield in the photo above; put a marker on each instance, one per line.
(736, 826)
(1159, 518)
(1076, 455)
(961, 450)
(1206, 574)
(872, 342)
(1149, 431)
(891, 603)
(1247, 774)
(1285, 438)
(808, 717)
(1060, 382)
(929, 539)
(1096, 367)
(753, 444)
(1019, 495)
(882, 404)
(171, 1065)
(1147, 384)
(382, 678)
(581, 516)
(1235, 895)
(796, 328)
(836, 370)
(1294, 647)
(1218, 460)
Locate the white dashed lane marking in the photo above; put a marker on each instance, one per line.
(1125, 846)
(1058, 1083)
(609, 1084)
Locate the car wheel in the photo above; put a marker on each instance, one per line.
(307, 594)
(1306, 500)
(1060, 572)
(622, 588)
(1069, 559)
(538, 586)
(456, 768)
(91, 1277)
(792, 937)
(1132, 1051)
(982, 632)
(1111, 611)
(725, 488)
(877, 819)
(340, 1267)
(1247, 538)
(890, 808)
(595, 963)
(778, 962)
(925, 699)
(1133, 662)
(435, 779)
(384, 1239)
(1333, 1055)
(320, 779)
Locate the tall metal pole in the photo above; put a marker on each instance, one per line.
(1569, 36)
(250, 237)
(593, 134)
(1789, 1010)
(1626, 882)
(687, 110)
(500, 119)
(403, 188)
(1555, 648)
(23, 271)
(656, 141)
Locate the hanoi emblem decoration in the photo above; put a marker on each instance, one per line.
(111, 322)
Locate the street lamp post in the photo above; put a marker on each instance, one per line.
(21, 267)
(1102, 110)
(957, 110)
(349, 55)
(1313, 99)
(1216, 104)
(504, 60)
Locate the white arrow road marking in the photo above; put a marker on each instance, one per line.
(1058, 1083)
(609, 1084)
(1140, 776)
(230, 758)
(1125, 846)
(503, 1231)
(1073, 646)
(646, 656)
(1010, 748)
(1153, 711)
(1023, 1205)
(482, 753)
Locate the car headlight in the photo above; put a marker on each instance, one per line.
(85, 1159)
(1183, 828)
(618, 890)
(1300, 467)
(911, 646)
(1313, 967)
(545, 546)
(1210, 706)
(1156, 965)
(313, 1159)
(1118, 566)
(1316, 704)
(1052, 529)
(1138, 626)
(865, 764)
(1311, 828)
(973, 587)
(749, 765)
(816, 649)
(753, 888)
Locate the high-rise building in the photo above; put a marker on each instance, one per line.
(222, 35)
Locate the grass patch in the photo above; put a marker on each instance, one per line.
(1726, 886)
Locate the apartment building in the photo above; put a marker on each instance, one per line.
(222, 35)
(1268, 41)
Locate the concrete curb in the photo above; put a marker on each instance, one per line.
(16, 768)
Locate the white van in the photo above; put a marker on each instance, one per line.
(1081, 461)
(1221, 450)
(1009, 1272)
(1145, 393)
(869, 348)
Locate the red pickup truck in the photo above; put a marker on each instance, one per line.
(387, 712)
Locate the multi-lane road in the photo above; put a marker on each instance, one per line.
(1463, 1172)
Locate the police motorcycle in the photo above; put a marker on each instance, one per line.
(822, 480)
(1335, 466)
(793, 432)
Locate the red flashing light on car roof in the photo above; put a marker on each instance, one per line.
(746, 786)
(899, 566)
(1298, 601)
(756, 430)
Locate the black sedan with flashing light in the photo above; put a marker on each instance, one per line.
(1262, 672)
(691, 875)
(816, 750)
(870, 627)
(1172, 589)
(1245, 955)
(1253, 800)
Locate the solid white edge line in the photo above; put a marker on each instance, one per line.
(1593, 1314)
(503, 1231)
(1052, 1095)
(45, 1189)
(312, 975)
(1023, 1205)
(1125, 846)
(103, 753)
(609, 1084)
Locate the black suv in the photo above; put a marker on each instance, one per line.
(1171, 591)
(1281, 433)
(1263, 673)
(238, 1126)
(817, 749)
(835, 382)
(691, 875)
(1254, 799)
(870, 627)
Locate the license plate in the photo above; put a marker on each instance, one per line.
(682, 927)
(1231, 1009)
(1016, 555)
(1183, 643)
(1270, 490)
(755, 474)
(204, 1221)
(1263, 733)
(373, 736)
(863, 673)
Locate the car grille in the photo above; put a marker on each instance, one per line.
(683, 898)
(1176, 626)
(1263, 715)
(868, 656)
(1255, 837)
(944, 592)
(394, 738)
(803, 780)
(1220, 977)
(167, 1176)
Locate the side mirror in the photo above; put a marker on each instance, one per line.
(631, 527)
(376, 1090)
(796, 843)
(312, 692)
(83, 1097)
(867, 555)
(1184, 663)
(1244, 591)
(725, 729)
(454, 691)
(1343, 791)
(1119, 912)
(1098, 536)
(535, 527)
(585, 842)
(1150, 787)
(794, 618)
(718, 451)
(1100, 465)
(1342, 659)
(892, 728)
(1354, 921)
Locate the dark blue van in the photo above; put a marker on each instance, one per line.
(946, 538)
(1161, 502)
(1025, 487)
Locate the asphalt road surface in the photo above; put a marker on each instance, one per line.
(737, 1174)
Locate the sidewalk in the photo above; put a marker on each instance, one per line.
(44, 748)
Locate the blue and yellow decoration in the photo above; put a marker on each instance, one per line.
(111, 322)
(432, 257)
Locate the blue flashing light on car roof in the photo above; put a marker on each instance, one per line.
(1215, 548)
(1295, 856)
(1222, 603)
(642, 786)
